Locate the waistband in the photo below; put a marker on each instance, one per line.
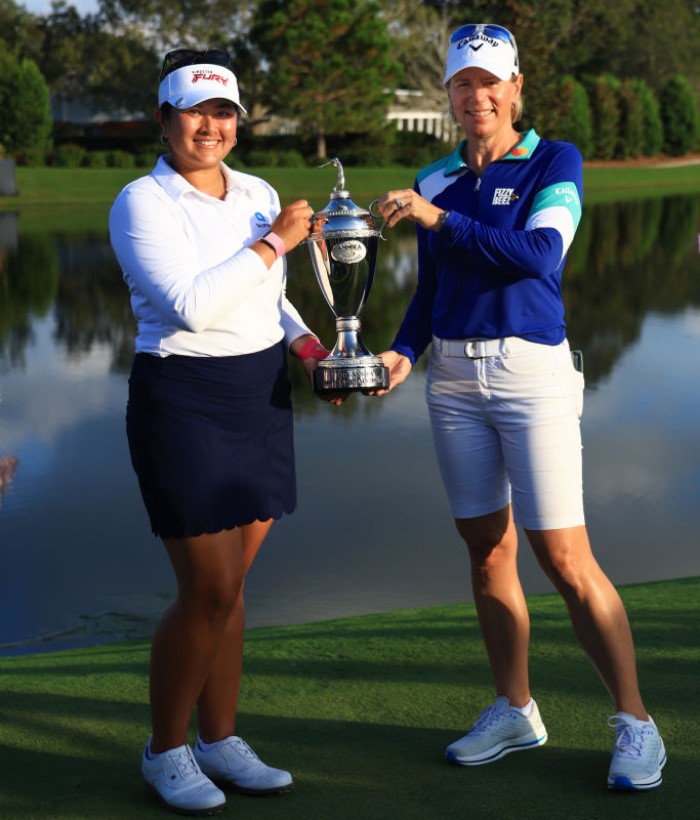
(483, 348)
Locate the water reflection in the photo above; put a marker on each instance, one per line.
(372, 531)
(628, 259)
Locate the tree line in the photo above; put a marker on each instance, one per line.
(618, 79)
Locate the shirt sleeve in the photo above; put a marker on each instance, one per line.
(535, 253)
(293, 325)
(537, 250)
(415, 333)
(159, 261)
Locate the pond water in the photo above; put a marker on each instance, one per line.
(372, 531)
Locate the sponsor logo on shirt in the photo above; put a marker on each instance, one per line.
(504, 196)
(261, 221)
(569, 193)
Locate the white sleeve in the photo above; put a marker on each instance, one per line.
(292, 323)
(159, 261)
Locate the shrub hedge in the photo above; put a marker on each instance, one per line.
(605, 117)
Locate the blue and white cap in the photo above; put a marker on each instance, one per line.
(482, 45)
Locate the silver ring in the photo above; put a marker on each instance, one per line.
(399, 203)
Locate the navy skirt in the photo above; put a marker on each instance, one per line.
(211, 440)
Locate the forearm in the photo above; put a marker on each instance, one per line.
(518, 253)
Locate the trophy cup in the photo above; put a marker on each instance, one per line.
(343, 247)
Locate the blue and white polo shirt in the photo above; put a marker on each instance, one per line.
(495, 267)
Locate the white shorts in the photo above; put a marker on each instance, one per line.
(505, 419)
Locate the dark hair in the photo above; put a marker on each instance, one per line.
(187, 56)
(181, 57)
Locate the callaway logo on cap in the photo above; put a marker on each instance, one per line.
(482, 45)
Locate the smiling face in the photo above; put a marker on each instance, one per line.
(201, 136)
(482, 103)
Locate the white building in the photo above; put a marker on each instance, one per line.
(412, 111)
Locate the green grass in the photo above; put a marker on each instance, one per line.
(616, 184)
(87, 188)
(360, 710)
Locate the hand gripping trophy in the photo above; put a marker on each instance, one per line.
(343, 247)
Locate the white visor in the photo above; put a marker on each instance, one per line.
(192, 84)
(484, 46)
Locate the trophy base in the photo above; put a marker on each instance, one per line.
(345, 376)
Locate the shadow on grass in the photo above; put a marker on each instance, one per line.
(360, 711)
(343, 771)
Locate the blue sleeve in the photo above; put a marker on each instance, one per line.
(534, 254)
(537, 248)
(532, 245)
(415, 333)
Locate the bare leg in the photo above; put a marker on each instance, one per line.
(218, 702)
(210, 570)
(499, 599)
(597, 614)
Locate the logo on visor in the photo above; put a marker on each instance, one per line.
(209, 75)
(484, 39)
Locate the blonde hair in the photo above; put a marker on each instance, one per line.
(516, 110)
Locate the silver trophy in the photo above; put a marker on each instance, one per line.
(343, 247)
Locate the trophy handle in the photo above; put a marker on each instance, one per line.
(378, 216)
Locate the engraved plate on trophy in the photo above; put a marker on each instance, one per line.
(343, 246)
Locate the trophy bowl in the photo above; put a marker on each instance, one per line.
(343, 247)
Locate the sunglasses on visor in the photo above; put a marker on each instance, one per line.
(487, 29)
(188, 56)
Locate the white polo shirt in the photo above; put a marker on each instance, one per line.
(196, 288)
